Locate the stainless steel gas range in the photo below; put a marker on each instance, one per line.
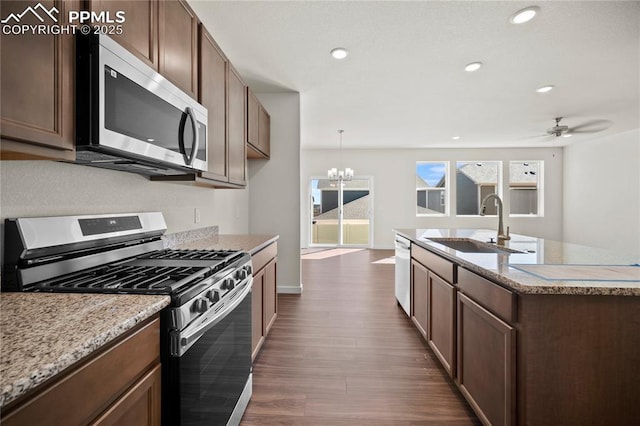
(206, 330)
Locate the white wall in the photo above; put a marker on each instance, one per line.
(393, 174)
(275, 187)
(602, 192)
(47, 188)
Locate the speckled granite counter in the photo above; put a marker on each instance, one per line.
(249, 243)
(504, 268)
(42, 334)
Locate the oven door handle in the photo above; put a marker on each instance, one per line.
(188, 339)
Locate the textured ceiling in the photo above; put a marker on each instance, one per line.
(403, 83)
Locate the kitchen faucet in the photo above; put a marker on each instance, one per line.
(501, 237)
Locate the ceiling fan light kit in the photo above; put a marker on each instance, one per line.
(558, 130)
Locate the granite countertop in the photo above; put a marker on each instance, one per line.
(249, 243)
(44, 333)
(543, 267)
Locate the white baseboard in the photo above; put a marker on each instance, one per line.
(290, 289)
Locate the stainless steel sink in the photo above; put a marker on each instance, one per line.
(467, 245)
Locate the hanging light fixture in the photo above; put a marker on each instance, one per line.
(336, 175)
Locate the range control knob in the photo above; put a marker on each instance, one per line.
(249, 269)
(228, 284)
(241, 274)
(200, 305)
(213, 296)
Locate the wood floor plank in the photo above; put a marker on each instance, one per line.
(344, 353)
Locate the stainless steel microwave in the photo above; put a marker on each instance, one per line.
(131, 118)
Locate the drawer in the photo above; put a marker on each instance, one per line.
(90, 387)
(500, 301)
(261, 258)
(442, 267)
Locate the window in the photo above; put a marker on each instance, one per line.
(431, 188)
(525, 188)
(474, 181)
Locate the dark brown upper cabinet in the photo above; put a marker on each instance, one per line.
(140, 28)
(178, 44)
(258, 128)
(37, 86)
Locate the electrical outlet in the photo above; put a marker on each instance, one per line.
(196, 215)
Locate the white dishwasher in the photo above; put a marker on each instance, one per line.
(403, 273)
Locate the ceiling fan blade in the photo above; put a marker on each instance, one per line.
(592, 126)
(533, 137)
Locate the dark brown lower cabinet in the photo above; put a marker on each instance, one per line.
(441, 330)
(119, 385)
(269, 297)
(257, 336)
(139, 406)
(264, 308)
(419, 302)
(486, 362)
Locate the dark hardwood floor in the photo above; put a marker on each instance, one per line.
(344, 353)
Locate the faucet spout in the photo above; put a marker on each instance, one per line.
(501, 237)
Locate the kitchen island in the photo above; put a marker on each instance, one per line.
(536, 332)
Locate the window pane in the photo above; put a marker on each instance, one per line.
(474, 181)
(324, 225)
(355, 212)
(525, 187)
(431, 188)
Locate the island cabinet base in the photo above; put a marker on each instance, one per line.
(578, 360)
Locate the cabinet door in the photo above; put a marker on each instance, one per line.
(264, 136)
(37, 86)
(140, 28)
(256, 313)
(213, 79)
(236, 127)
(178, 44)
(140, 405)
(441, 326)
(253, 119)
(419, 302)
(486, 362)
(269, 297)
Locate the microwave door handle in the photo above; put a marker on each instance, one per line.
(196, 137)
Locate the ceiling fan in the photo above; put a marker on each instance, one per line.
(592, 126)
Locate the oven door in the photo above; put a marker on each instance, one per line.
(209, 371)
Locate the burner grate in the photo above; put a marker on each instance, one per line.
(192, 254)
(128, 277)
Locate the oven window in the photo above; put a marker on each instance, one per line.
(214, 371)
(136, 112)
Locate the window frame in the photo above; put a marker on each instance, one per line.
(444, 190)
(539, 188)
(498, 185)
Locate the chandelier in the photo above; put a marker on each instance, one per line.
(336, 175)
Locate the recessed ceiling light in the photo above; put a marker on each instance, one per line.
(524, 15)
(544, 89)
(473, 66)
(339, 52)
(455, 138)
